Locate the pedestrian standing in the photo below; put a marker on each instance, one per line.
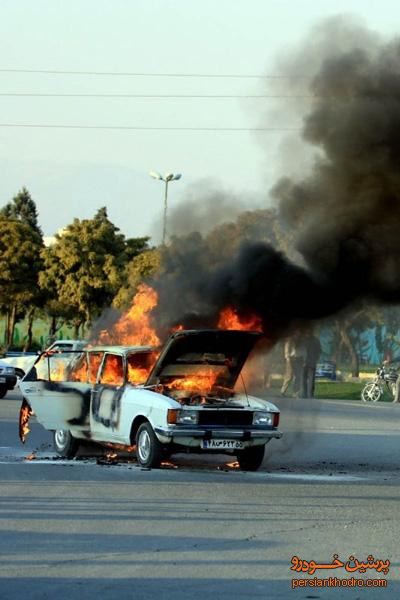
(312, 353)
(294, 351)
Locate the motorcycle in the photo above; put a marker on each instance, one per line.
(385, 379)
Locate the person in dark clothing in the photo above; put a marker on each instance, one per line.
(313, 351)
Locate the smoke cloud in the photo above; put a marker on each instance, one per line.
(343, 215)
(332, 239)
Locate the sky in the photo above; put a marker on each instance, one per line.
(71, 172)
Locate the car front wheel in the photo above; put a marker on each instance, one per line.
(250, 459)
(3, 391)
(64, 444)
(149, 450)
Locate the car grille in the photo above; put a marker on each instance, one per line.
(225, 417)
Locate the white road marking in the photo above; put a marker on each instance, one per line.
(314, 477)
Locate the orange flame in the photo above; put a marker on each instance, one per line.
(79, 373)
(134, 327)
(57, 372)
(120, 447)
(137, 375)
(113, 371)
(229, 319)
(24, 415)
(202, 382)
(233, 465)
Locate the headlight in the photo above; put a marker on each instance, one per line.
(10, 370)
(262, 418)
(182, 417)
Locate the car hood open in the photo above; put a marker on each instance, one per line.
(191, 353)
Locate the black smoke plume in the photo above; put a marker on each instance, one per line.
(343, 215)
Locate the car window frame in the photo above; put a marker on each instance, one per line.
(100, 371)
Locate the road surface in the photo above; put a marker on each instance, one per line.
(198, 528)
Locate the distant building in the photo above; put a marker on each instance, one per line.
(50, 240)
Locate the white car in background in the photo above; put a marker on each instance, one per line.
(179, 399)
(23, 362)
(8, 378)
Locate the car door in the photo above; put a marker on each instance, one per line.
(58, 391)
(106, 395)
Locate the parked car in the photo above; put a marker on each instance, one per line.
(8, 379)
(179, 399)
(326, 370)
(24, 361)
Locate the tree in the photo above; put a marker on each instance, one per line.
(20, 263)
(84, 269)
(143, 266)
(22, 208)
(135, 246)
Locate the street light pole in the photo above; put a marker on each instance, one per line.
(164, 234)
(167, 178)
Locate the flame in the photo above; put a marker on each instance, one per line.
(31, 456)
(134, 327)
(80, 373)
(57, 367)
(203, 382)
(113, 371)
(137, 375)
(229, 319)
(57, 372)
(111, 455)
(120, 447)
(24, 415)
(166, 464)
(233, 465)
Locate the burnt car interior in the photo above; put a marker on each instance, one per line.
(202, 368)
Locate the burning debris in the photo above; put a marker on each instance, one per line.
(25, 414)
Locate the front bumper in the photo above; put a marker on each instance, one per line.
(168, 435)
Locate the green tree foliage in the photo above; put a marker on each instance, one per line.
(20, 263)
(85, 268)
(135, 246)
(142, 266)
(22, 208)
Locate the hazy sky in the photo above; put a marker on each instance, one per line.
(72, 172)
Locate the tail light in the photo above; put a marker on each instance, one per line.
(275, 422)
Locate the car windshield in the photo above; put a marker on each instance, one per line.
(139, 365)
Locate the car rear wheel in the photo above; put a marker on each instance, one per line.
(3, 391)
(64, 444)
(149, 450)
(250, 459)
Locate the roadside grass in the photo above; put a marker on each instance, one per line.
(345, 391)
(335, 390)
(340, 390)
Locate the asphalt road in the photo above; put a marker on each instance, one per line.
(198, 528)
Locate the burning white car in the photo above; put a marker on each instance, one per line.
(181, 399)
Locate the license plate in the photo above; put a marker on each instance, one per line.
(221, 445)
(2, 379)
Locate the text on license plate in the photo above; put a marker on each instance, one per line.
(2, 379)
(222, 445)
